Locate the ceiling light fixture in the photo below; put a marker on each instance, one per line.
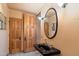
(63, 5)
(60, 4)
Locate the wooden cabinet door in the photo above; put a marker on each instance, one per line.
(15, 35)
(29, 32)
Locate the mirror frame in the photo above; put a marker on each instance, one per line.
(56, 23)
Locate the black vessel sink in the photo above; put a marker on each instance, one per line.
(46, 50)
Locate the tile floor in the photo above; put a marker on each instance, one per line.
(35, 53)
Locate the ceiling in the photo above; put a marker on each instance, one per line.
(29, 7)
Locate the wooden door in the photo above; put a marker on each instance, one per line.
(29, 32)
(15, 35)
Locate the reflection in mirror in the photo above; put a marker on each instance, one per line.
(51, 23)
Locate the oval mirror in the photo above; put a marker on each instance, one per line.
(51, 23)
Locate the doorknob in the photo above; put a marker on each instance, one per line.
(24, 38)
(19, 38)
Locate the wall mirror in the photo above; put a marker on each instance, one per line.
(51, 23)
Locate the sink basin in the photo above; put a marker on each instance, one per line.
(45, 50)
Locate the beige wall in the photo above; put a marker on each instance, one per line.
(67, 38)
(4, 33)
(70, 30)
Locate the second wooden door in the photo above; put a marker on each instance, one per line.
(29, 32)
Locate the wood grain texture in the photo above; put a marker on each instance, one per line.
(29, 32)
(15, 34)
(22, 33)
